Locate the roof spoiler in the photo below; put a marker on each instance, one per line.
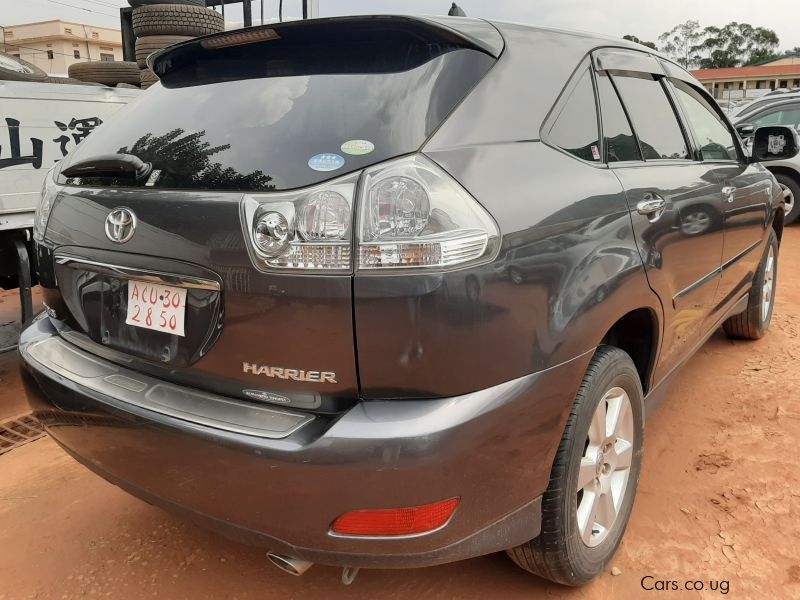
(455, 31)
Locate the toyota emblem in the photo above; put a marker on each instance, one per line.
(120, 225)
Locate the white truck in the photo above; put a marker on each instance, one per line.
(39, 124)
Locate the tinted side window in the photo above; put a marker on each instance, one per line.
(576, 129)
(788, 116)
(715, 139)
(619, 141)
(653, 119)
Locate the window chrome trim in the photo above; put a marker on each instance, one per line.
(184, 281)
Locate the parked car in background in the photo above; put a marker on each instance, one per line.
(746, 108)
(785, 112)
(394, 291)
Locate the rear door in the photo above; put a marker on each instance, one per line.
(674, 200)
(746, 189)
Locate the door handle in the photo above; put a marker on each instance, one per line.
(729, 192)
(652, 206)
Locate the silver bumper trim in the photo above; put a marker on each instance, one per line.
(194, 406)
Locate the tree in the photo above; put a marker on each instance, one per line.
(185, 161)
(682, 43)
(633, 38)
(737, 44)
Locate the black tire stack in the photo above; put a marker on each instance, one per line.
(157, 25)
(107, 73)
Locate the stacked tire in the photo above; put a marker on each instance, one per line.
(13, 68)
(157, 25)
(106, 73)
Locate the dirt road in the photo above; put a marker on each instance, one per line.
(719, 501)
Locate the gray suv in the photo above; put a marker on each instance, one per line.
(396, 291)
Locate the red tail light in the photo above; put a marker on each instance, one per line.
(396, 521)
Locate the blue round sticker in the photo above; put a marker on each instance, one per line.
(326, 162)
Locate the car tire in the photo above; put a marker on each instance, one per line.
(17, 69)
(147, 78)
(754, 322)
(64, 80)
(138, 3)
(168, 19)
(145, 46)
(107, 73)
(791, 193)
(572, 547)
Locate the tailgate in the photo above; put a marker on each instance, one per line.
(289, 326)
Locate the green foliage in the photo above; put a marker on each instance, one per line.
(737, 44)
(185, 161)
(633, 38)
(682, 43)
(734, 45)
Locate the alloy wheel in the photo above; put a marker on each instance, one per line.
(695, 223)
(788, 199)
(767, 287)
(605, 466)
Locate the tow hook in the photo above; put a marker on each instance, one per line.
(349, 575)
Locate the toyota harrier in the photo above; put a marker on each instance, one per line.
(396, 291)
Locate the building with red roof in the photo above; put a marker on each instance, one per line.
(751, 81)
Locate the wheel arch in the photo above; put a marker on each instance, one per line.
(637, 333)
(777, 224)
(781, 170)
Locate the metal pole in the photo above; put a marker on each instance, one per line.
(128, 39)
(248, 15)
(262, 12)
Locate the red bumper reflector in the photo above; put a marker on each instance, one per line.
(396, 521)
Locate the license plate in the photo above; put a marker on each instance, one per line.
(157, 307)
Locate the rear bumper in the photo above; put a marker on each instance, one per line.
(491, 448)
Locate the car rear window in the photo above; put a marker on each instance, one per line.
(290, 112)
(619, 141)
(654, 120)
(576, 129)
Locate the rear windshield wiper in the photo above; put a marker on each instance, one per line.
(109, 165)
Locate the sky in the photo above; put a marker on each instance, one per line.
(645, 19)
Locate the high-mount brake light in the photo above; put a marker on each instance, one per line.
(239, 38)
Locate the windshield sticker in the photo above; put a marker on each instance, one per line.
(358, 147)
(595, 153)
(326, 162)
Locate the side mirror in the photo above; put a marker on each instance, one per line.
(774, 143)
(745, 130)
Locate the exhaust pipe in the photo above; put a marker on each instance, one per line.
(293, 566)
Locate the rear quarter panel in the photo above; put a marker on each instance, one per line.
(566, 228)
